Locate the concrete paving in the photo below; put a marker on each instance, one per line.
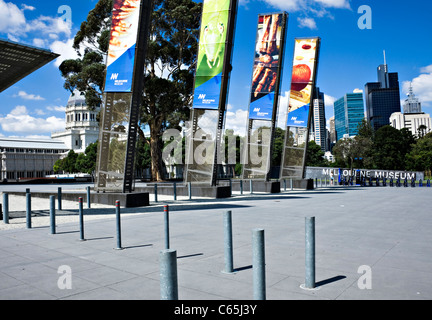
(372, 243)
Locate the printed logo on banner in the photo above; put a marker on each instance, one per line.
(262, 109)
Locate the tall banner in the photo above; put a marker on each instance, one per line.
(299, 115)
(212, 45)
(121, 52)
(264, 98)
(122, 95)
(210, 90)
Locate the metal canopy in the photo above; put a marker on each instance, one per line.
(18, 61)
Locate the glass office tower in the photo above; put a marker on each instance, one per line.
(349, 113)
(382, 98)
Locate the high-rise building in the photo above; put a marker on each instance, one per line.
(349, 113)
(320, 120)
(412, 104)
(382, 97)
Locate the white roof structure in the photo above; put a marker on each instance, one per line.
(21, 143)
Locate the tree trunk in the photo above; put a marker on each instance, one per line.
(155, 151)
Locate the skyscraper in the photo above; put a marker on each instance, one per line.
(349, 113)
(412, 103)
(382, 97)
(320, 120)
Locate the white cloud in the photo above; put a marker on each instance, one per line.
(329, 100)
(422, 86)
(343, 4)
(64, 49)
(18, 121)
(28, 96)
(11, 17)
(56, 108)
(307, 23)
(289, 5)
(237, 121)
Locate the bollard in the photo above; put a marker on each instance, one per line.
(156, 192)
(5, 208)
(81, 217)
(59, 198)
(284, 184)
(258, 264)
(168, 275)
(28, 209)
(292, 184)
(241, 186)
(88, 197)
(52, 214)
(166, 225)
(310, 252)
(428, 183)
(118, 224)
(175, 191)
(230, 186)
(190, 190)
(420, 183)
(251, 186)
(228, 241)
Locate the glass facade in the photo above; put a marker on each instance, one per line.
(349, 113)
(382, 98)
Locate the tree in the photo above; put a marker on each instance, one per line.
(390, 147)
(420, 157)
(87, 73)
(315, 156)
(171, 64)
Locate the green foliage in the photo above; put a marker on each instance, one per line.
(315, 156)
(420, 157)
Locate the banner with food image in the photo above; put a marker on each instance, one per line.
(121, 51)
(303, 81)
(267, 64)
(213, 37)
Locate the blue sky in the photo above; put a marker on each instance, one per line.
(34, 107)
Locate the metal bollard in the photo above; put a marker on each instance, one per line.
(241, 186)
(175, 190)
(168, 275)
(228, 241)
(156, 192)
(190, 190)
(310, 252)
(59, 198)
(258, 264)
(284, 184)
(52, 214)
(166, 226)
(5, 208)
(118, 224)
(28, 209)
(81, 217)
(251, 186)
(292, 184)
(88, 197)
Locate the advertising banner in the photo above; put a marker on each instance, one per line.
(265, 76)
(303, 81)
(121, 52)
(213, 36)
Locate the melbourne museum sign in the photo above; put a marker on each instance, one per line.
(362, 173)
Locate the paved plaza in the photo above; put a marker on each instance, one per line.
(371, 243)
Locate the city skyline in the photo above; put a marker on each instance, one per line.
(349, 55)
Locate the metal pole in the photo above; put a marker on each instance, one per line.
(156, 192)
(88, 197)
(310, 252)
(284, 184)
(190, 190)
(292, 184)
(250, 186)
(59, 198)
(5, 208)
(229, 265)
(81, 217)
(28, 209)
(168, 275)
(52, 214)
(241, 186)
(166, 226)
(259, 282)
(118, 226)
(175, 191)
